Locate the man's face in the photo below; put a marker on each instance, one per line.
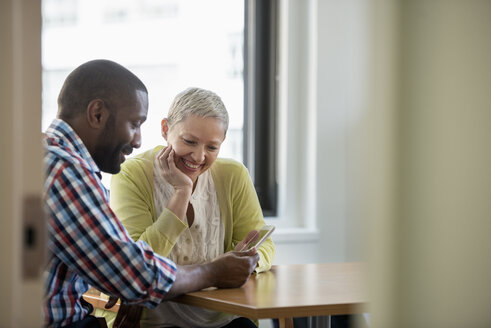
(122, 134)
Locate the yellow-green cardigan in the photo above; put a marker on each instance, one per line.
(131, 198)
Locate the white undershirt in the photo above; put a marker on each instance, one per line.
(202, 242)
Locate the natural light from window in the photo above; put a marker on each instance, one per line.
(169, 44)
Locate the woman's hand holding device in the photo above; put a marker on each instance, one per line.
(255, 238)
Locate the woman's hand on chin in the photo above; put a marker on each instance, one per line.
(179, 180)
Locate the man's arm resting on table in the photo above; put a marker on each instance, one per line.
(229, 270)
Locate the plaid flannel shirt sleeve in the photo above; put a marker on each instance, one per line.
(87, 236)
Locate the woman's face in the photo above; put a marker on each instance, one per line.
(196, 142)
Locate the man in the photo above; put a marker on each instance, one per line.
(101, 108)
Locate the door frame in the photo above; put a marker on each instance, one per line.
(21, 166)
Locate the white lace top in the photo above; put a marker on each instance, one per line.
(201, 242)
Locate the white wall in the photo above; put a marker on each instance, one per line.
(394, 98)
(401, 112)
(324, 63)
(341, 105)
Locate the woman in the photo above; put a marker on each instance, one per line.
(187, 204)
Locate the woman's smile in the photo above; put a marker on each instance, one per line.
(189, 165)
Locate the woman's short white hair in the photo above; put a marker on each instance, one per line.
(197, 102)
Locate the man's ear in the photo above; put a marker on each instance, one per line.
(165, 128)
(97, 114)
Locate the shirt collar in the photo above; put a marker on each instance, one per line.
(63, 134)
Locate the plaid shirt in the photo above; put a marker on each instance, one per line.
(87, 243)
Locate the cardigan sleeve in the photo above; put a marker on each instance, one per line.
(247, 214)
(131, 198)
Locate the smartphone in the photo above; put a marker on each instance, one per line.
(264, 234)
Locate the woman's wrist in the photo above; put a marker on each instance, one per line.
(179, 201)
(184, 192)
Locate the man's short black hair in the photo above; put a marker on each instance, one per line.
(97, 79)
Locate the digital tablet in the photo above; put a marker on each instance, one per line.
(264, 234)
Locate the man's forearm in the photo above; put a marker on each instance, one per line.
(229, 270)
(191, 278)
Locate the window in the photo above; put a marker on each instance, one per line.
(260, 100)
(169, 44)
(57, 13)
(172, 45)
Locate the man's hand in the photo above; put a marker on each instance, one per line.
(233, 269)
(229, 270)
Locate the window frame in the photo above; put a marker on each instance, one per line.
(260, 100)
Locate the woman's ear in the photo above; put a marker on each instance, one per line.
(97, 114)
(165, 128)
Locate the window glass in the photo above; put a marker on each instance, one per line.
(169, 44)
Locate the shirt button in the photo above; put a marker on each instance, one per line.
(196, 226)
(186, 258)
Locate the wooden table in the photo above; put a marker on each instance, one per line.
(289, 291)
